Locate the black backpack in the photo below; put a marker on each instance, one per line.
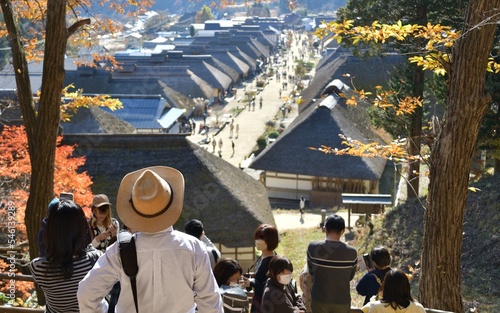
(128, 256)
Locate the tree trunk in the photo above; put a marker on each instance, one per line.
(451, 158)
(41, 125)
(413, 184)
(47, 122)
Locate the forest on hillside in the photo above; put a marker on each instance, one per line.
(311, 6)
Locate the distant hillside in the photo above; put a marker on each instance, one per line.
(312, 6)
(401, 229)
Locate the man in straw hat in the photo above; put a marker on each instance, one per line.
(174, 268)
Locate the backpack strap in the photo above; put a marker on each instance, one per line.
(379, 281)
(128, 257)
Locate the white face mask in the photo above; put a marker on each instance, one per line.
(260, 244)
(285, 279)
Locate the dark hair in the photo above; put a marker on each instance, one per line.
(334, 223)
(381, 257)
(397, 289)
(277, 265)
(269, 234)
(224, 269)
(194, 228)
(66, 235)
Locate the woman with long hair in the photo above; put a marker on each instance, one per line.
(103, 226)
(266, 240)
(67, 259)
(279, 295)
(396, 295)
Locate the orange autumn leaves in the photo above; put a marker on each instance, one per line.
(15, 170)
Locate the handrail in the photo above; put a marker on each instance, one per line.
(20, 277)
(17, 309)
(427, 310)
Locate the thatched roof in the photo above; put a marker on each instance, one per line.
(233, 61)
(315, 127)
(143, 81)
(367, 73)
(96, 120)
(216, 192)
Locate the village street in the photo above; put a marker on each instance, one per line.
(251, 123)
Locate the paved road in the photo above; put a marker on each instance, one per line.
(291, 219)
(251, 123)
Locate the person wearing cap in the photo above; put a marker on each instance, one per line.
(174, 268)
(195, 228)
(332, 264)
(102, 224)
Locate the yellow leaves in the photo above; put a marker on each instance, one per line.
(438, 39)
(395, 151)
(351, 101)
(474, 189)
(493, 67)
(75, 100)
(408, 105)
(432, 61)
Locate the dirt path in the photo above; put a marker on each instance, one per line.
(291, 219)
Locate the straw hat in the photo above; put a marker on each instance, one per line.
(151, 199)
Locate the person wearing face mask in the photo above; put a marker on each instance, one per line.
(266, 240)
(279, 295)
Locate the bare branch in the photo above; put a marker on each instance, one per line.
(73, 28)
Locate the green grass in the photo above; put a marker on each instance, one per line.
(294, 244)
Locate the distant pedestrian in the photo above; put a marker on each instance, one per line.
(232, 146)
(260, 102)
(237, 130)
(214, 144)
(231, 127)
(220, 144)
(302, 205)
(279, 93)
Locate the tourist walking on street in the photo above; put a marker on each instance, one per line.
(232, 146)
(220, 144)
(237, 130)
(214, 144)
(231, 127)
(302, 204)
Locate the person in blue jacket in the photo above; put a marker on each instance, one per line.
(371, 283)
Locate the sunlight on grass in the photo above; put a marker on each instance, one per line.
(294, 244)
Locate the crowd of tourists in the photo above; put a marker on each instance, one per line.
(90, 265)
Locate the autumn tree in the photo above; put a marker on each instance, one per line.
(455, 136)
(53, 23)
(366, 12)
(204, 15)
(15, 187)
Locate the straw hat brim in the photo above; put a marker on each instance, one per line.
(134, 221)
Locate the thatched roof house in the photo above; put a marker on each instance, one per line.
(216, 192)
(291, 169)
(366, 73)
